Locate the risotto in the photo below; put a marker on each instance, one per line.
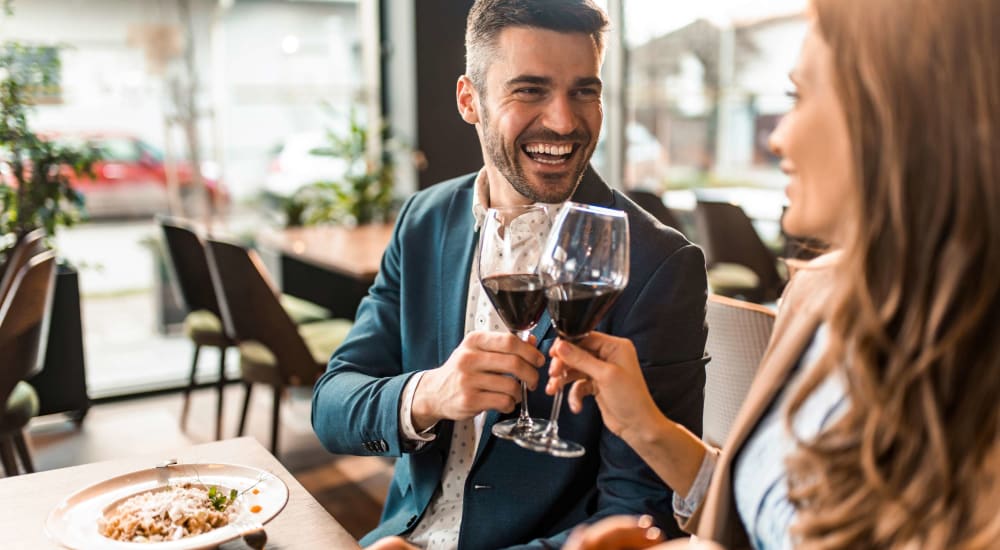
(167, 514)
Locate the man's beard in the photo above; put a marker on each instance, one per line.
(506, 159)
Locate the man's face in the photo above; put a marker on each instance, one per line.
(541, 115)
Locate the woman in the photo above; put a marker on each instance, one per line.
(873, 421)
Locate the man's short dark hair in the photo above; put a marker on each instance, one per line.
(488, 18)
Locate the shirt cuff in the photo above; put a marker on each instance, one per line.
(410, 434)
(685, 507)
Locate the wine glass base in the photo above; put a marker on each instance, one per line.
(511, 430)
(554, 446)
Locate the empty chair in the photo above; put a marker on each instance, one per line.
(273, 349)
(738, 261)
(23, 331)
(653, 203)
(203, 323)
(738, 334)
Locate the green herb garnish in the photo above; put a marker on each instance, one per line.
(220, 501)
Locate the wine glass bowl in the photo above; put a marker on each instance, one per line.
(509, 250)
(584, 268)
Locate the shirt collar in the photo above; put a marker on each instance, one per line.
(481, 203)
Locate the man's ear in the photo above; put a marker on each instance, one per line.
(467, 99)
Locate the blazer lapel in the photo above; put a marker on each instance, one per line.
(457, 245)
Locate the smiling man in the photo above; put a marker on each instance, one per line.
(428, 369)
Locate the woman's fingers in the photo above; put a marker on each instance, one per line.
(579, 390)
(616, 533)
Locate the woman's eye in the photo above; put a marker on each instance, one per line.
(793, 95)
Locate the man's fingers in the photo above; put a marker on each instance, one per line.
(499, 342)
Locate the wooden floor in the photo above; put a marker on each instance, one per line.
(351, 488)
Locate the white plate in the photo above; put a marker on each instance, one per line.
(74, 522)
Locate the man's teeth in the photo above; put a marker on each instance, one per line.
(548, 149)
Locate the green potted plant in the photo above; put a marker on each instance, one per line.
(35, 192)
(363, 195)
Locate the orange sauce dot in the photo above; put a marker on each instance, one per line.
(255, 508)
(256, 491)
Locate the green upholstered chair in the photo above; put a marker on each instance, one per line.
(203, 324)
(23, 331)
(653, 203)
(739, 263)
(273, 349)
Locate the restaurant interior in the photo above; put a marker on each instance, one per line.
(245, 163)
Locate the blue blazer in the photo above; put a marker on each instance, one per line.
(414, 316)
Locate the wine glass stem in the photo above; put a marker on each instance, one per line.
(524, 418)
(552, 430)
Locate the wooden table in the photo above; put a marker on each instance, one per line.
(332, 266)
(28, 499)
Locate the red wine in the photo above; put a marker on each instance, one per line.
(576, 308)
(519, 298)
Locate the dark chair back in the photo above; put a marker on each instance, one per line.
(652, 203)
(251, 310)
(728, 236)
(186, 254)
(31, 244)
(24, 321)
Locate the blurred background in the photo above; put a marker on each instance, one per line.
(252, 114)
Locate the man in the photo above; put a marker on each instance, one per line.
(416, 380)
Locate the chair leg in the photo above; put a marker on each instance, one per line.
(220, 388)
(7, 457)
(275, 417)
(23, 452)
(246, 406)
(190, 386)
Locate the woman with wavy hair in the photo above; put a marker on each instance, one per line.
(873, 421)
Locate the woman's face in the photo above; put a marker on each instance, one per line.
(812, 141)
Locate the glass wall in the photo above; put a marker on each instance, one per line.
(704, 85)
(225, 89)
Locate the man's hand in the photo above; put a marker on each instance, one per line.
(476, 378)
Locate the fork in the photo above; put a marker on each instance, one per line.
(253, 533)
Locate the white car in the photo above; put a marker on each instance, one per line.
(300, 162)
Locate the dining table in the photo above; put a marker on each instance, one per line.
(330, 265)
(27, 500)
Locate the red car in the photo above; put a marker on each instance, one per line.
(130, 179)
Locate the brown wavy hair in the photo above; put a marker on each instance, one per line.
(915, 319)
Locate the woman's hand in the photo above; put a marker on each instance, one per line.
(391, 543)
(615, 533)
(607, 368)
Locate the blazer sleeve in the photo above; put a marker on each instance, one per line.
(666, 322)
(355, 405)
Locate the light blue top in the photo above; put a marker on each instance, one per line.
(760, 479)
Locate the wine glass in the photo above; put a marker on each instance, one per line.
(510, 245)
(584, 268)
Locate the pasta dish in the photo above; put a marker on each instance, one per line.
(167, 514)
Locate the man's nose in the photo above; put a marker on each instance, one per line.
(560, 116)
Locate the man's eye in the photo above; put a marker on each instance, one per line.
(528, 91)
(588, 93)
